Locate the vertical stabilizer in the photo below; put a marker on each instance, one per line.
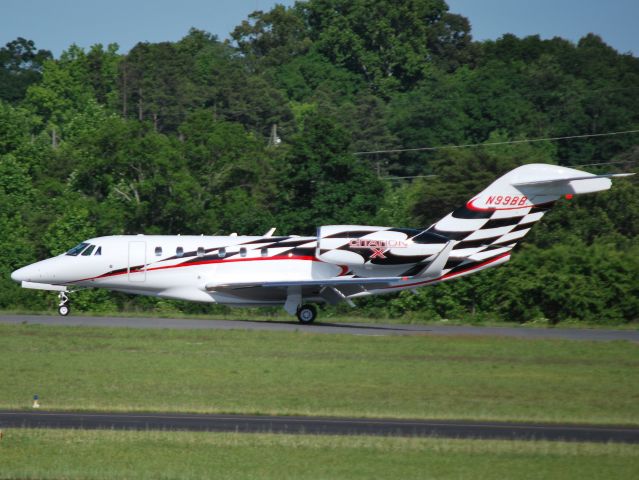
(491, 223)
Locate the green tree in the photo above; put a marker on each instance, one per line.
(137, 177)
(302, 76)
(103, 71)
(63, 93)
(17, 246)
(70, 228)
(20, 66)
(274, 37)
(388, 42)
(157, 85)
(234, 171)
(16, 127)
(324, 183)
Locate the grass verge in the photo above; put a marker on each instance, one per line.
(337, 375)
(100, 454)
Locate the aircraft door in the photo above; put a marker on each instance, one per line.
(137, 261)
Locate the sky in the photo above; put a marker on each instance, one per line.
(616, 21)
(56, 24)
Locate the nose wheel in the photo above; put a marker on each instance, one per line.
(63, 307)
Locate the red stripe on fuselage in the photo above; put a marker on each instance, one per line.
(204, 262)
(235, 260)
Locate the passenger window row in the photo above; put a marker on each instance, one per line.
(86, 250)
(179, 252)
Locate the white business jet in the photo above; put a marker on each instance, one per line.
(341, 263)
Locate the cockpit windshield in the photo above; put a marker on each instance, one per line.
(77, 249)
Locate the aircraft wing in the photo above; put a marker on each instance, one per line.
(332, 290)
(433, 270)
(325, 282)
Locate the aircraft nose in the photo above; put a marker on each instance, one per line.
(17, 275)
(22, 274)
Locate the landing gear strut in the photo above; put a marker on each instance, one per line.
(63, 307)
(307, 313)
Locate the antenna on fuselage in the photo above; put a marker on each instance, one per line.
(270, 232)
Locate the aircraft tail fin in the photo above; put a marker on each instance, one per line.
(498, 217)
(480, 234)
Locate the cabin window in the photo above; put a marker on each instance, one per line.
(98, 251)
(88, 251)
(200, 251)
(243, 252)
(158, 251)
(222, 252)
(77, 249)
(264, 252)
(179, 251)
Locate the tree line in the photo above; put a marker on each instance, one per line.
(267, 128)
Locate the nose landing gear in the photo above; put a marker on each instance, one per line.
(63, 307)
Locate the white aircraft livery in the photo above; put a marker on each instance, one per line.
(341, 263)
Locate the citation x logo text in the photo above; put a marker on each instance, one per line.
(376, 246)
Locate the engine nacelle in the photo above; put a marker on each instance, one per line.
(355, 245)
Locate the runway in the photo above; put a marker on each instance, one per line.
(329, 328)
(318, 426)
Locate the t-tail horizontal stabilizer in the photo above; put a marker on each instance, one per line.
(570, 185)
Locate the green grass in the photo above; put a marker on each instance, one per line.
(300, 373)
(71, 454)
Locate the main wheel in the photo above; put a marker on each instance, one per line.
(307, 313)
(64, 310)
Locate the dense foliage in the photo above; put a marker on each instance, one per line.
(209, 136)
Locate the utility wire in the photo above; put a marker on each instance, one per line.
(492, 144)
(408, 177)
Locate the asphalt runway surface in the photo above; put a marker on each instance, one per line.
(318, 426)
(328, 328)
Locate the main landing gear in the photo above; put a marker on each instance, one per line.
(307, 313)
(63, 307)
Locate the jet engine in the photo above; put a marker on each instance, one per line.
(355, 245)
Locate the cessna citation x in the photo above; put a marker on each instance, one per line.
(341, 263)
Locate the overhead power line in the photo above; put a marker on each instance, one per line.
(492, 144)
(410, 177)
